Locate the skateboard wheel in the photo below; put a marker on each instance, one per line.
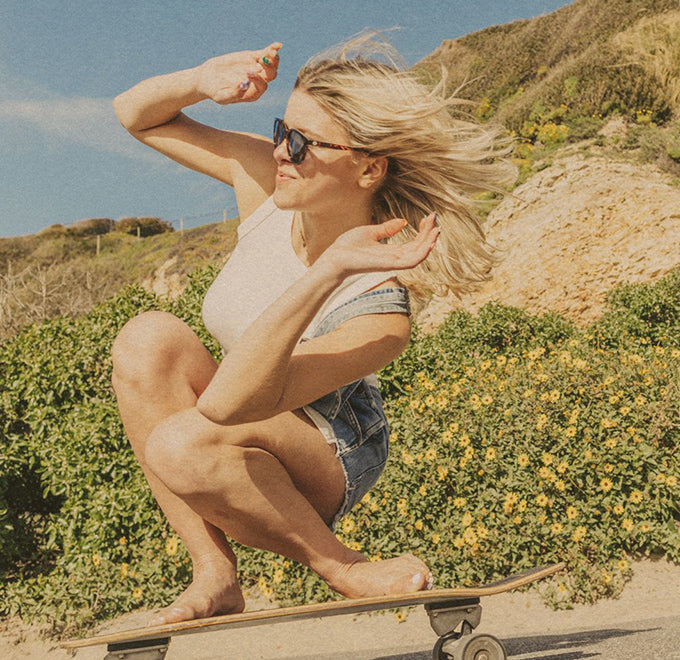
(483, 647)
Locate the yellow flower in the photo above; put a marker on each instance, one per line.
(418, 524)
(606, 485)
(137, 593)
(547, 459)
(627, 524)
(277, 576)
(407, 458)
(467, 519)
(622, 565)
(402, 507)
(431, 454)
(400, 616)
(348, 526)
(579, 533)
(618, 509)
(501, 360)
(554, 396)
(542, 499)
(475, 402)
(529, 393)
(565, 357)
(122, 540)
(459, 502)
(124, 570)
(562, 467)
(640, 400)
(436, 538)
(446, 438)
(572, 512)
(487, 399)
(645, 527)
(482, 531)
(624, 410)
(610, 443)
(469, 536)
(458, 542)
(536, 353)
(429, 401)
(541, 421)
(96, 559)
(171, 544)
(442, 473)
(423, 490)
(523, 460)
(455, 389)
(671, 481)
(556, 528)
(607, 423)
(469, 452)
(464, 440)
(570, 432)
(490, 454)
(485, 365)
(560, 485)
(608, 468)
(636, 496)
(580, 364)
(453, 427)
(546, 474)
(517, 520)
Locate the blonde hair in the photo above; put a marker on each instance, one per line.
(438, 158)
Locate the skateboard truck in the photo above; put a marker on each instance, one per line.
(144, 649)
(446, 616)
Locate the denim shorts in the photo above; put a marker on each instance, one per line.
(352, 417)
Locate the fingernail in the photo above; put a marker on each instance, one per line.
(243, 85)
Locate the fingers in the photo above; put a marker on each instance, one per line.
(263, 70)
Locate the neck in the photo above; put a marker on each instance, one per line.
(317, 231)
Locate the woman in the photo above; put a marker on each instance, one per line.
(272, 446)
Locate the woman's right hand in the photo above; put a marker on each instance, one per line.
(239, 77)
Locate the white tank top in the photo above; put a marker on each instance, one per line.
(261, 267)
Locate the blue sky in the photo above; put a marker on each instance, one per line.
(63, 156)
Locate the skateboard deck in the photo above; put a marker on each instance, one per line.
(447, 609)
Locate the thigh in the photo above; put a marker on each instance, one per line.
(291, 437)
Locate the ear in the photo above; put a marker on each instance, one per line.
(372, 172)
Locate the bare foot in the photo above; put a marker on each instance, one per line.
(361, 578)
(214, 590)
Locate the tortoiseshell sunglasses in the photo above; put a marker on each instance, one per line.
(298, 143)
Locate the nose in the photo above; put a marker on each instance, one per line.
(281, 152)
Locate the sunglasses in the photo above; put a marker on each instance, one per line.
(298, 143)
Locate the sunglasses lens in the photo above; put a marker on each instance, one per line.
(279, 132)
(297, 146)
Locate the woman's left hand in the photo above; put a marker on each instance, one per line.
(359, 250)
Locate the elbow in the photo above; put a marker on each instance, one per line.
(226, 413)
(120, 107)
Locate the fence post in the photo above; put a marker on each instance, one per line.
(181, 226)
(139, 232)
(99, 242)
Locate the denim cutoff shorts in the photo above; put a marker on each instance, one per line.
(352, 417)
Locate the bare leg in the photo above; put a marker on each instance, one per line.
(160, 368)
(271, 485)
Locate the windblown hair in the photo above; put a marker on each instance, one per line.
(438, 159)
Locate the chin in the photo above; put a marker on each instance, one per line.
(284, 200)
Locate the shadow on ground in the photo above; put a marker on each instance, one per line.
(572, 646)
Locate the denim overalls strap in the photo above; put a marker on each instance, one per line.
(377, 301)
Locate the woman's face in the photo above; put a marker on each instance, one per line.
(326, 177)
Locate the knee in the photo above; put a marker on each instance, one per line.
(192, 461)
(145, 346)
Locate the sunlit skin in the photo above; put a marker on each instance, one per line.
(226, 450)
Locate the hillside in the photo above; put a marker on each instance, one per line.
(588, 60)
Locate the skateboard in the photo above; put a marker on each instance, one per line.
(454, 614)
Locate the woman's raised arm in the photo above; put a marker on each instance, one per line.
(152, 112)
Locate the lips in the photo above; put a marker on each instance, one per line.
(283, 176)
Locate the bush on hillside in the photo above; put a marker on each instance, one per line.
(91, 227)
(146, 226)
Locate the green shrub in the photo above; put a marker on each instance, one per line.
(91, 227)
(516, 440)
(146, 226)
